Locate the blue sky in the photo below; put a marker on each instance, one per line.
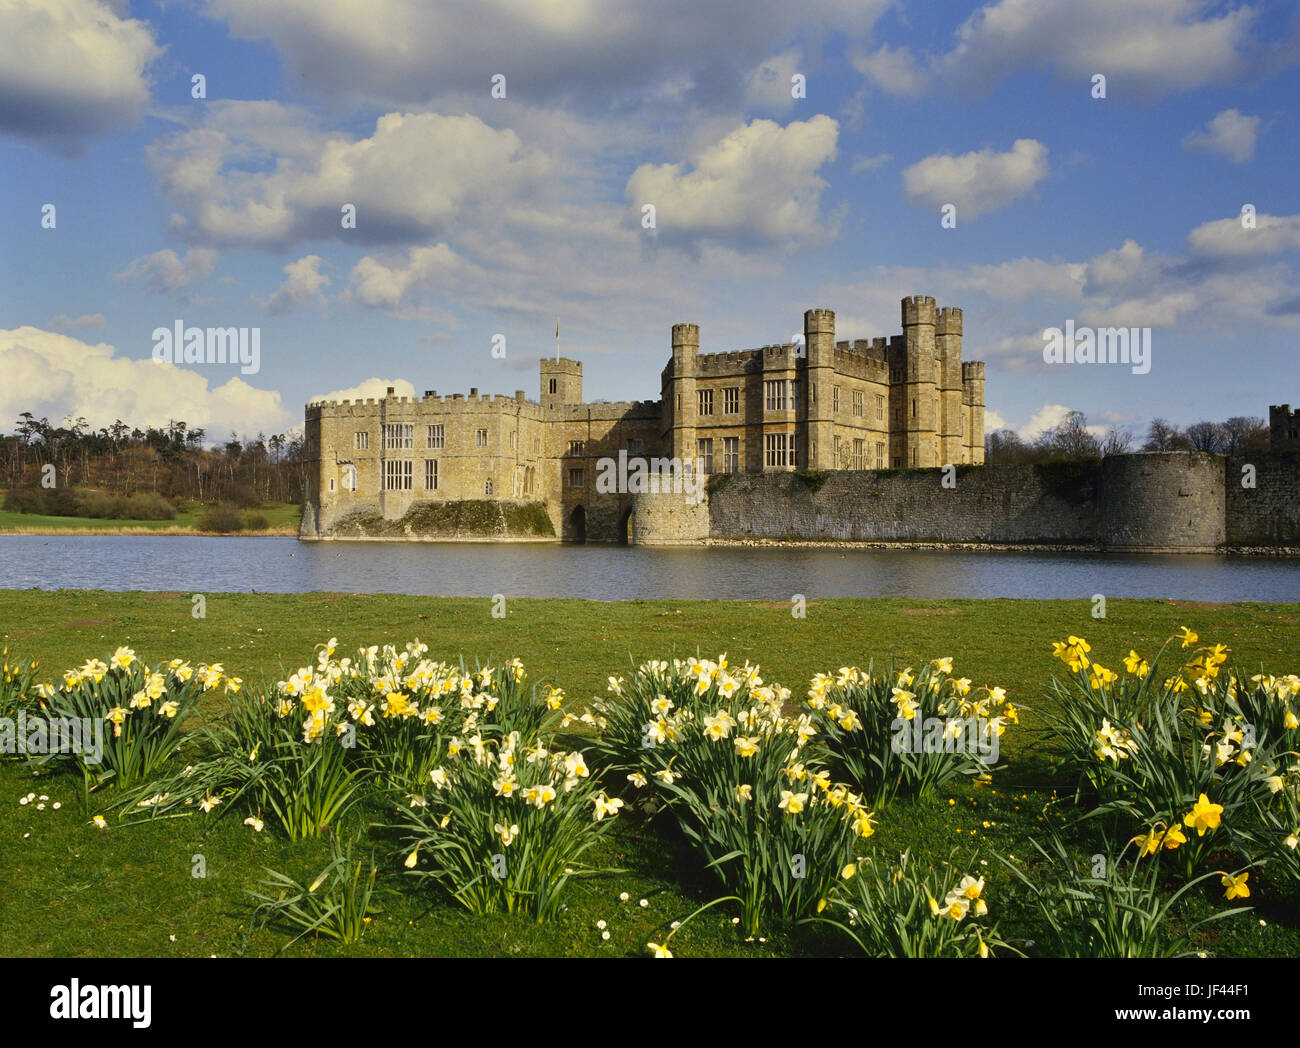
(479, 215)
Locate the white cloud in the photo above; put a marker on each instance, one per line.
(993, 421)
(869, 163)
(592, 54)
(1231, 134)
(70, 69)
(62, 322)
(1227, 240)
(977, 182)
(54, 375)
(302, 285)
(1141, 46)
(1049, 416)
(1020, 279)
(1113, 268)
(768, 86)
(757, 185)
(251, 176)
(894, 69)
(1156, 311)
(167, 273)
(370, 389)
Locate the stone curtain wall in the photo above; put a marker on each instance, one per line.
(1054, 504)
(1269, 513)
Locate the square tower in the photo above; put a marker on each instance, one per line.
(561, 382)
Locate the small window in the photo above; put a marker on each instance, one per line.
(880, 407)
(430, 474)
(731, 400)
(362, 442)
(731, 454)
(835, 400)
(480, 438)
(575, 448)
(576, 478)
(552, 387)
(487, 486)
(704, 453)
(705, 398)
(437, 437)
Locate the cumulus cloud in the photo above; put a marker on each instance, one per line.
(55, 375)
(1231, 134)
(589, 54)
(1227, 240)
(896, 70)
(869, 163)
(370, 389)
(251, 176)
(167, 273)
(302, 285)
(1111, 269)
(993, 421)
(1150, 47)
(757, 185)
(62, 322)
(1049, 416)
(70, 69)
(977, 182)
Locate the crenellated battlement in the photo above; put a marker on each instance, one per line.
(972, 371)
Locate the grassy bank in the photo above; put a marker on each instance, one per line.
(282, 519)
(71, 890)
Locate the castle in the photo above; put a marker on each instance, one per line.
(816, 405)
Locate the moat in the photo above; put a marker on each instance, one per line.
(601, 572)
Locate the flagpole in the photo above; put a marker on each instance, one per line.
(557, 340)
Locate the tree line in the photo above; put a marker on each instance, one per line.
(173, 461)
(1072, 438)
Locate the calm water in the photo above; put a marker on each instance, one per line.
(284, 565)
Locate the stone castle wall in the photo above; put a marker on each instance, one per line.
(1267, 514)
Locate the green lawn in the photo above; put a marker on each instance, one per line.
(283, 518)
(73, 891)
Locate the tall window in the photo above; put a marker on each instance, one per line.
(705, 399)
(397, 475)
(774, 445)
(437, 437)
(775, 392)
(576, 478)
(859, 453)
(398, 437)
(835, 400)
(552, 386)
(575, 447)
(430, 474)
(880, 407)
(794, 394)
(880, 456)
(514, 440)
(487, 486)
(731, 400)
(633, 446)
(362, 441)
(480, 438)
(858, 398)
(704, 452)
(792, 459)
(730, 454)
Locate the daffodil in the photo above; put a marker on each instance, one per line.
(1203, 816)
(1236, 886)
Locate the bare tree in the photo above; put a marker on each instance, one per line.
(1118, 441)
(1164, 436)
(1206, 436)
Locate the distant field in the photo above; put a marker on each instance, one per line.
(283, 518)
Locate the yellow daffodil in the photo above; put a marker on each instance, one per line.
(1203, 816)
(1236, 886)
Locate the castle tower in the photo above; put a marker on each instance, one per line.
(681, 407)
(819, 434)
(1283, 428)
(972, 391)
(920, 383)
(952, 422)
(561, 382)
